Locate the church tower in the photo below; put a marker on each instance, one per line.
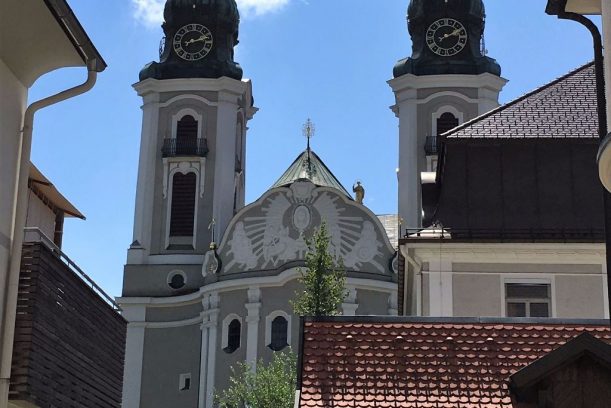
(195, 112)
(191, 178)
(447, 81)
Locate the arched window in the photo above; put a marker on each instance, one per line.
(233, 336)
(446, 122)
(182, 215)
(186, 135)
(279, 337)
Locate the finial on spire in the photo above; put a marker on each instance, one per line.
(308, 131)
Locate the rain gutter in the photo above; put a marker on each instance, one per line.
(558, 8)
(66, 19)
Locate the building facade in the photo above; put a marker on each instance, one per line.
(37, 38)
(208, 280)
(522, 225)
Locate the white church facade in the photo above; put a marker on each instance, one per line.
(209, 279)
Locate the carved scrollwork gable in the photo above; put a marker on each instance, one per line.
(271, 232)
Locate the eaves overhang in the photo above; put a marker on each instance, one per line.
(37, 37)
(586, 7)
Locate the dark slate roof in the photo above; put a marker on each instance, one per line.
(308, 166)
(525, 171)
(563, 108)
(424, 362)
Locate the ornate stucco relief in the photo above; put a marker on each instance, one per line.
(273, 231)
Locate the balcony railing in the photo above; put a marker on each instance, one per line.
(176, 148)
(33, 234)
(431, 146)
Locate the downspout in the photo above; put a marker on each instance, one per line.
(601, 101)
(20, 204)
(417, 281)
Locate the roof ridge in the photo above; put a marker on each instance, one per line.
(517, 100)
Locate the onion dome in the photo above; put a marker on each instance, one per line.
(200, 36)
(460, 25)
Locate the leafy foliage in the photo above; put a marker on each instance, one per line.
(271, 386)
(324, 279)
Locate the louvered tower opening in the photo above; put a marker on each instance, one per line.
(183, 205)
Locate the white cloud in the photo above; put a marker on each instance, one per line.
(260, 7)
(150, 12)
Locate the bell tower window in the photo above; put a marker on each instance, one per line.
(186, 135)
(182, 215)
(445, 122)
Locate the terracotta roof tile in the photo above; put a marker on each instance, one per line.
(415, 364)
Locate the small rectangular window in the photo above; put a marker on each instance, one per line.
(528, 299)
(184, 383)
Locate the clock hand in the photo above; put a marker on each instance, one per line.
(454, 33)
(194, 40)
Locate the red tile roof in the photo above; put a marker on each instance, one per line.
(419, 362)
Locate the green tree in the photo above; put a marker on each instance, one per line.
(270, 386)
(324, 279)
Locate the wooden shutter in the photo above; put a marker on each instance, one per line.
(183, 205)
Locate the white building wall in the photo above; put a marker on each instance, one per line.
(40, 216)
(13, 99)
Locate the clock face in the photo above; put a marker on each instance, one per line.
(446, 37)
(193, 42)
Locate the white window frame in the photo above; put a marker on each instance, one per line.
(268, 326)
(530, 280)
(181, 114)
(183, 167)
(446, 109)
(225, 330)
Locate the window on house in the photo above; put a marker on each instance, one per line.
(184, 382)
(186, 135)
(183, 205)
(528, 300)
(446, 122)
(233, 336)
(279, 334)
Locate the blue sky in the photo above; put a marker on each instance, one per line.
(324, 59)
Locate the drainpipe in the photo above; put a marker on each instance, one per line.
(20, 204)
(417, 281)
(602, 121)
